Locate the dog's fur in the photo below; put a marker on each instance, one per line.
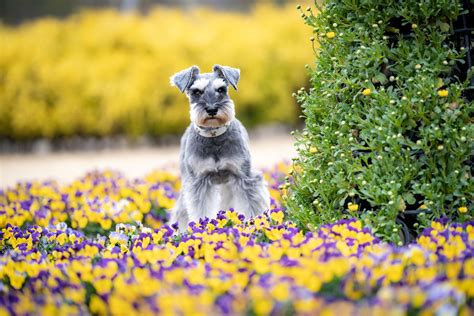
(215, 161)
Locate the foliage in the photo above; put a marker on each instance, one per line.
(105, 73)
(387, 129)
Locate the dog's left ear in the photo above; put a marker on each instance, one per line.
(184, 78)
(229, 74)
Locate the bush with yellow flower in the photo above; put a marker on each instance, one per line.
(100, 73)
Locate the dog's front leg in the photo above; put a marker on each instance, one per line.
(203, 199)
(249, 195)
(257, 193)
(179, 214)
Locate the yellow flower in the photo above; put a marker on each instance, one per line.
(274, 234)
(97, 305)
(61, 239)
(416, 256)
(330, 34)
(313, 150)
(106, 223)
(103, 286)
(367, 92)
(443, 93)
(277, 216)
(437, 226)
(82, 222)
(305, 306)
(16, 280)
(394, 273)
(353, 207)
(263, 307)
(462, 209)
(418, 299)
(117, 238)
(72, 238)
(280, 292)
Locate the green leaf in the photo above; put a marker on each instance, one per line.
(409, 198)
(444, 26)
(380, 77)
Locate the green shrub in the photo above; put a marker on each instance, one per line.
(387, 129)
(104, 73)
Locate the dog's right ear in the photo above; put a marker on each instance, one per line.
(229, 74)
(184, 78)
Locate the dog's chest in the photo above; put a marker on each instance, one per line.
(216, 148)
(214, 159)
(209, 155)
(229, 144)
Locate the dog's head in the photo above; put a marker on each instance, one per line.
(208, 95)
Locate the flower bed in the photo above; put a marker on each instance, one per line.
(79, 249)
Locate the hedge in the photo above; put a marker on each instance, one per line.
(388, 133)
(103, 73)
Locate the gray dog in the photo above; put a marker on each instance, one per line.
(215, 163)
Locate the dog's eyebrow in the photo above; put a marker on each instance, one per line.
(218, 83)
(200, 84)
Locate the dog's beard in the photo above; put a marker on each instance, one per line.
(199, 116)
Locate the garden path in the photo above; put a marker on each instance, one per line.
(266, 150)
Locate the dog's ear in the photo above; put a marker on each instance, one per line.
(229, 74)
(184, 78)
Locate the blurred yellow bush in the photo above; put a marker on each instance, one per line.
(104, 73)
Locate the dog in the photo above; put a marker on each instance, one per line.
(215, 163)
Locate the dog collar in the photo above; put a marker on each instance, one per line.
(211, 131)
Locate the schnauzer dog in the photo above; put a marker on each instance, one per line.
(215, 161)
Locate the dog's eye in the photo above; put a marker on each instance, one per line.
(196, 92)
(221, 90)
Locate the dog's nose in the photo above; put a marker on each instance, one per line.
(211, 112)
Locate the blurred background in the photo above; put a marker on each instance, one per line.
(85, 83)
